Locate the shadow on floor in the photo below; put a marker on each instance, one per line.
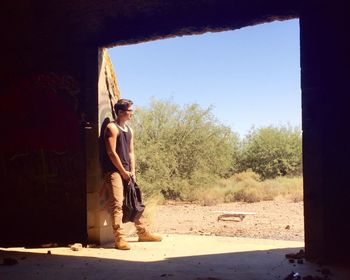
(109, 263)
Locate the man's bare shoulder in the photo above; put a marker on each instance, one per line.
(111, 129)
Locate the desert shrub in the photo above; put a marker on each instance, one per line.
(292, 188)
(205, 196)
(285, 185)
(184, 153)
(249, 190)
(272, 152)
(180, 148)
(244, 175)
(248, 195)
(296, 196)
(229, 196)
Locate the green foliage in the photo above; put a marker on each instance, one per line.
(179, 148)
(273, 151)
(183, 153)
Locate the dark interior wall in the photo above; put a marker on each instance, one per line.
(42, 153)
(41, 158)
(44, 98)
(325, 69)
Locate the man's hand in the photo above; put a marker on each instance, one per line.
(133, 174)
(126, 175)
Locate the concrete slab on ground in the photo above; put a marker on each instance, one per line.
(176, 257)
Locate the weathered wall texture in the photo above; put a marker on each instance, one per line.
(64, 37)
(41, 160)
(98, 212)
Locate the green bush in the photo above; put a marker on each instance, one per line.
(179, 148)
(184, 153)
(272, 152)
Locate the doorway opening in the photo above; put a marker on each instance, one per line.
(218, 128)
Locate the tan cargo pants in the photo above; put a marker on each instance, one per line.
(115, 186)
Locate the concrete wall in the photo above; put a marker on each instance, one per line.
(99, 227)
(42, 169)
(325, 76)
(45, 102)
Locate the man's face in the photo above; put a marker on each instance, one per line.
(128, 113)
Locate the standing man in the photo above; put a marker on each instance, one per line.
(120, 168)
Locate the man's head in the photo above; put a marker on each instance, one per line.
(123, 107)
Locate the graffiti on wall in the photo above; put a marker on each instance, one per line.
(43, 194)
(45, 172)
(42, 166)
(43, 107)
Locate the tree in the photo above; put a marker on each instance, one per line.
(273, 151)
(181, 147)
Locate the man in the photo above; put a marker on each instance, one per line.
(120, 150)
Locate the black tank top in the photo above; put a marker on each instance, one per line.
(122, 149)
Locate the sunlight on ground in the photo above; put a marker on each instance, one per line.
(172, 246)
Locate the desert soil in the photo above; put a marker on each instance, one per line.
(279, 219)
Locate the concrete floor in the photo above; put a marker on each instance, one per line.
(176, 257)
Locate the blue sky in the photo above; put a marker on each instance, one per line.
(250, 76)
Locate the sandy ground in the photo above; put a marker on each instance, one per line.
(194, 248)
(279, 219)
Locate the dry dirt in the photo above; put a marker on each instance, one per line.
(279, 219)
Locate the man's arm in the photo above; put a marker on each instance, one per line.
(111, 135)
(132, 153)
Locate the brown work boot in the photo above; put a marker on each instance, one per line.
(121, 244)
(146, 236)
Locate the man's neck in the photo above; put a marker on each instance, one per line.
(121, 123)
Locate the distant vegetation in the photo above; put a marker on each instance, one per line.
(184, 153)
